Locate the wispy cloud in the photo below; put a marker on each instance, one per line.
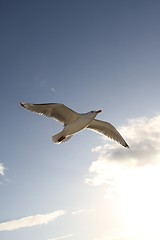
(82, 210)
(62, 237)
(53, 90)
(143, 136)
(30, 221)
(2, 168)
(77, 212)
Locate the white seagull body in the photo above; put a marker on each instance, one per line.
(74, 122)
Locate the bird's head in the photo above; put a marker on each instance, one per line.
(94, 113)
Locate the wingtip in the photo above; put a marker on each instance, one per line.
(22, 104)
(126, 145)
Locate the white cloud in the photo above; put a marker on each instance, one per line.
(62, 237)
(30, 221)
(2, 169)
(134, 175)
(143, 136)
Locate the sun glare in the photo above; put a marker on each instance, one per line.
(140, 191)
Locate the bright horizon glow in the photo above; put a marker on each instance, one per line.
(138, 188)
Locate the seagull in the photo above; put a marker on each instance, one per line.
(74, 122)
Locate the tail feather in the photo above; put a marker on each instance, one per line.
(60, 138)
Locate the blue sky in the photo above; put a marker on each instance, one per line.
(88, 55)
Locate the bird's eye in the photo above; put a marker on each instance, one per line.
(92, 111)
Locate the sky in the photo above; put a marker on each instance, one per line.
(88, 55)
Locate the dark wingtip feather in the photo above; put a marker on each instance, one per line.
(126, 145)
(22, 104)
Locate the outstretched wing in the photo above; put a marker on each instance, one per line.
(57, 111)
(108, 130)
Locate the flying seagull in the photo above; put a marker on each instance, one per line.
(74, 122)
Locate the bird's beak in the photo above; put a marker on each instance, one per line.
(98, 111)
